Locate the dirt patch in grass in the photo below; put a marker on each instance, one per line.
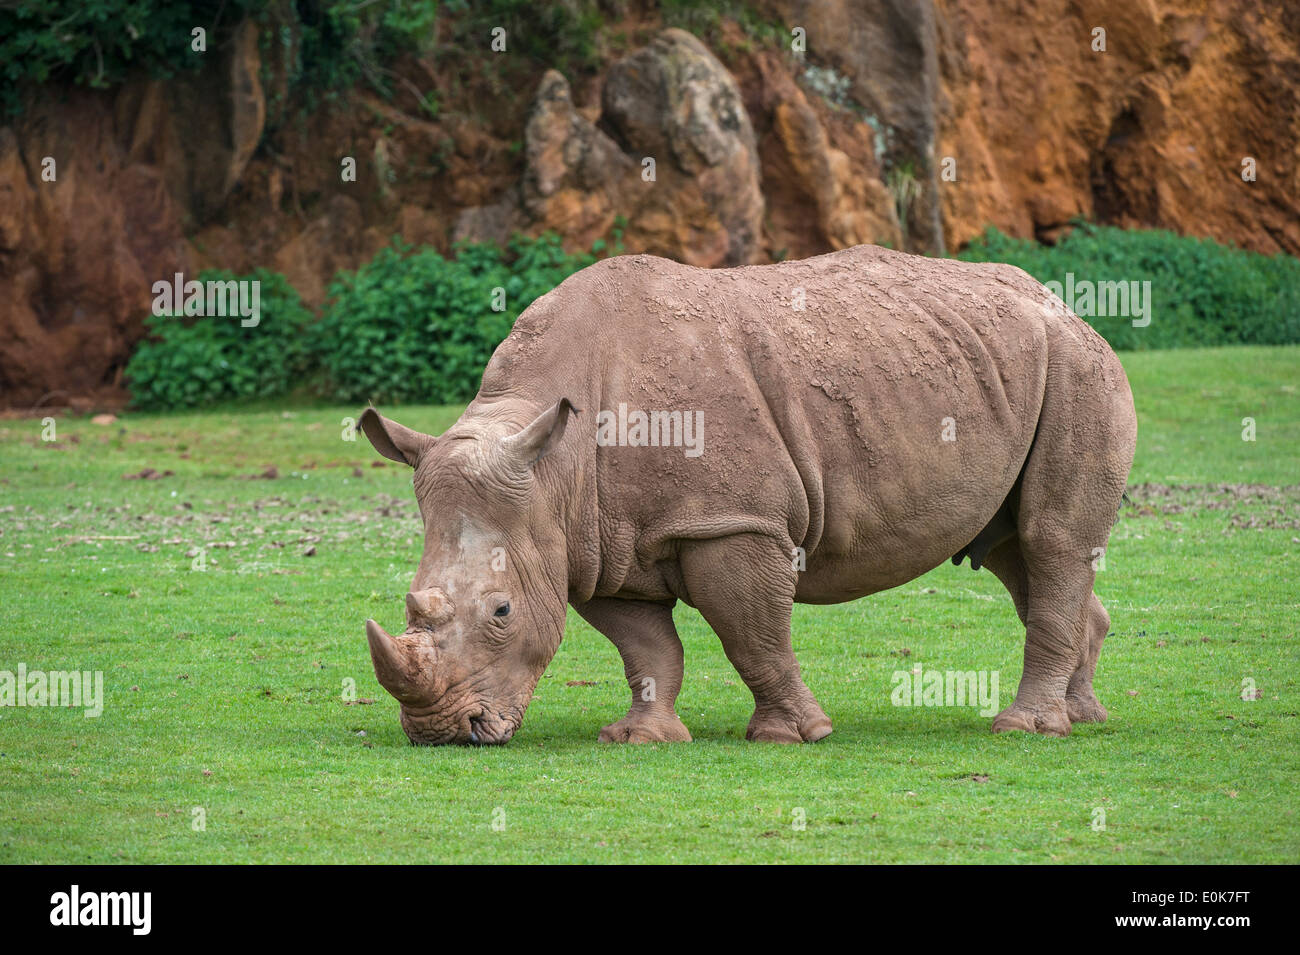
(1247, 506)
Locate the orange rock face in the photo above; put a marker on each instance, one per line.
(96, 192)
(909, 123)
(1153, 131)
(78, 255)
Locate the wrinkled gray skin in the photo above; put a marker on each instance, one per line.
(827, 387)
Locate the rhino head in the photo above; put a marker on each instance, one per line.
(485, 612)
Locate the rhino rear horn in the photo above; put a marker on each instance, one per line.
(428, 609)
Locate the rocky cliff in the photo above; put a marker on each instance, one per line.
(913, 123)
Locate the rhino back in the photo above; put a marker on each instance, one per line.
(871, 407)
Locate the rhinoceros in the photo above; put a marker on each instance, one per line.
(740, 439)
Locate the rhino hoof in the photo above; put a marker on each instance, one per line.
(778, 727)
(643, 729)
(1051, 721)
(1086, 710)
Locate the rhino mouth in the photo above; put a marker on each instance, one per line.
(476, 729)
(486, 732)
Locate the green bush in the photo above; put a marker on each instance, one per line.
(332, 43)
(1202, 293)
(95, 42)
(321, 45)
(412, 325)
(562, 35)
(190, 361)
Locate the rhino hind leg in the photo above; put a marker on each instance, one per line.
(1069, 496)
(1008, 564)
(1039, 706)
(744, 587)
(1080, 698)
(1051, 655)
(647, 641)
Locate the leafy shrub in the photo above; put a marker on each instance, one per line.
(319, 45)
(332, 43)
(322, 47)
(706, 19)
(200, 359)
(411, 325)
(1202, 293)
(562, 35)
(95, 42)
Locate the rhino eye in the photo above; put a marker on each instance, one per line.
(503, 610)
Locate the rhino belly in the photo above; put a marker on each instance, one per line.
(899, 499)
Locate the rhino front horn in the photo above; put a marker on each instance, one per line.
(388, 662)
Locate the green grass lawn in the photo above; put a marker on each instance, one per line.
(224, 687)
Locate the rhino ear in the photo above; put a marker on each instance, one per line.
(542, 436)
(392, 440)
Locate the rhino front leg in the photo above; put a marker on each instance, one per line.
(744, 586)
(647, 641)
